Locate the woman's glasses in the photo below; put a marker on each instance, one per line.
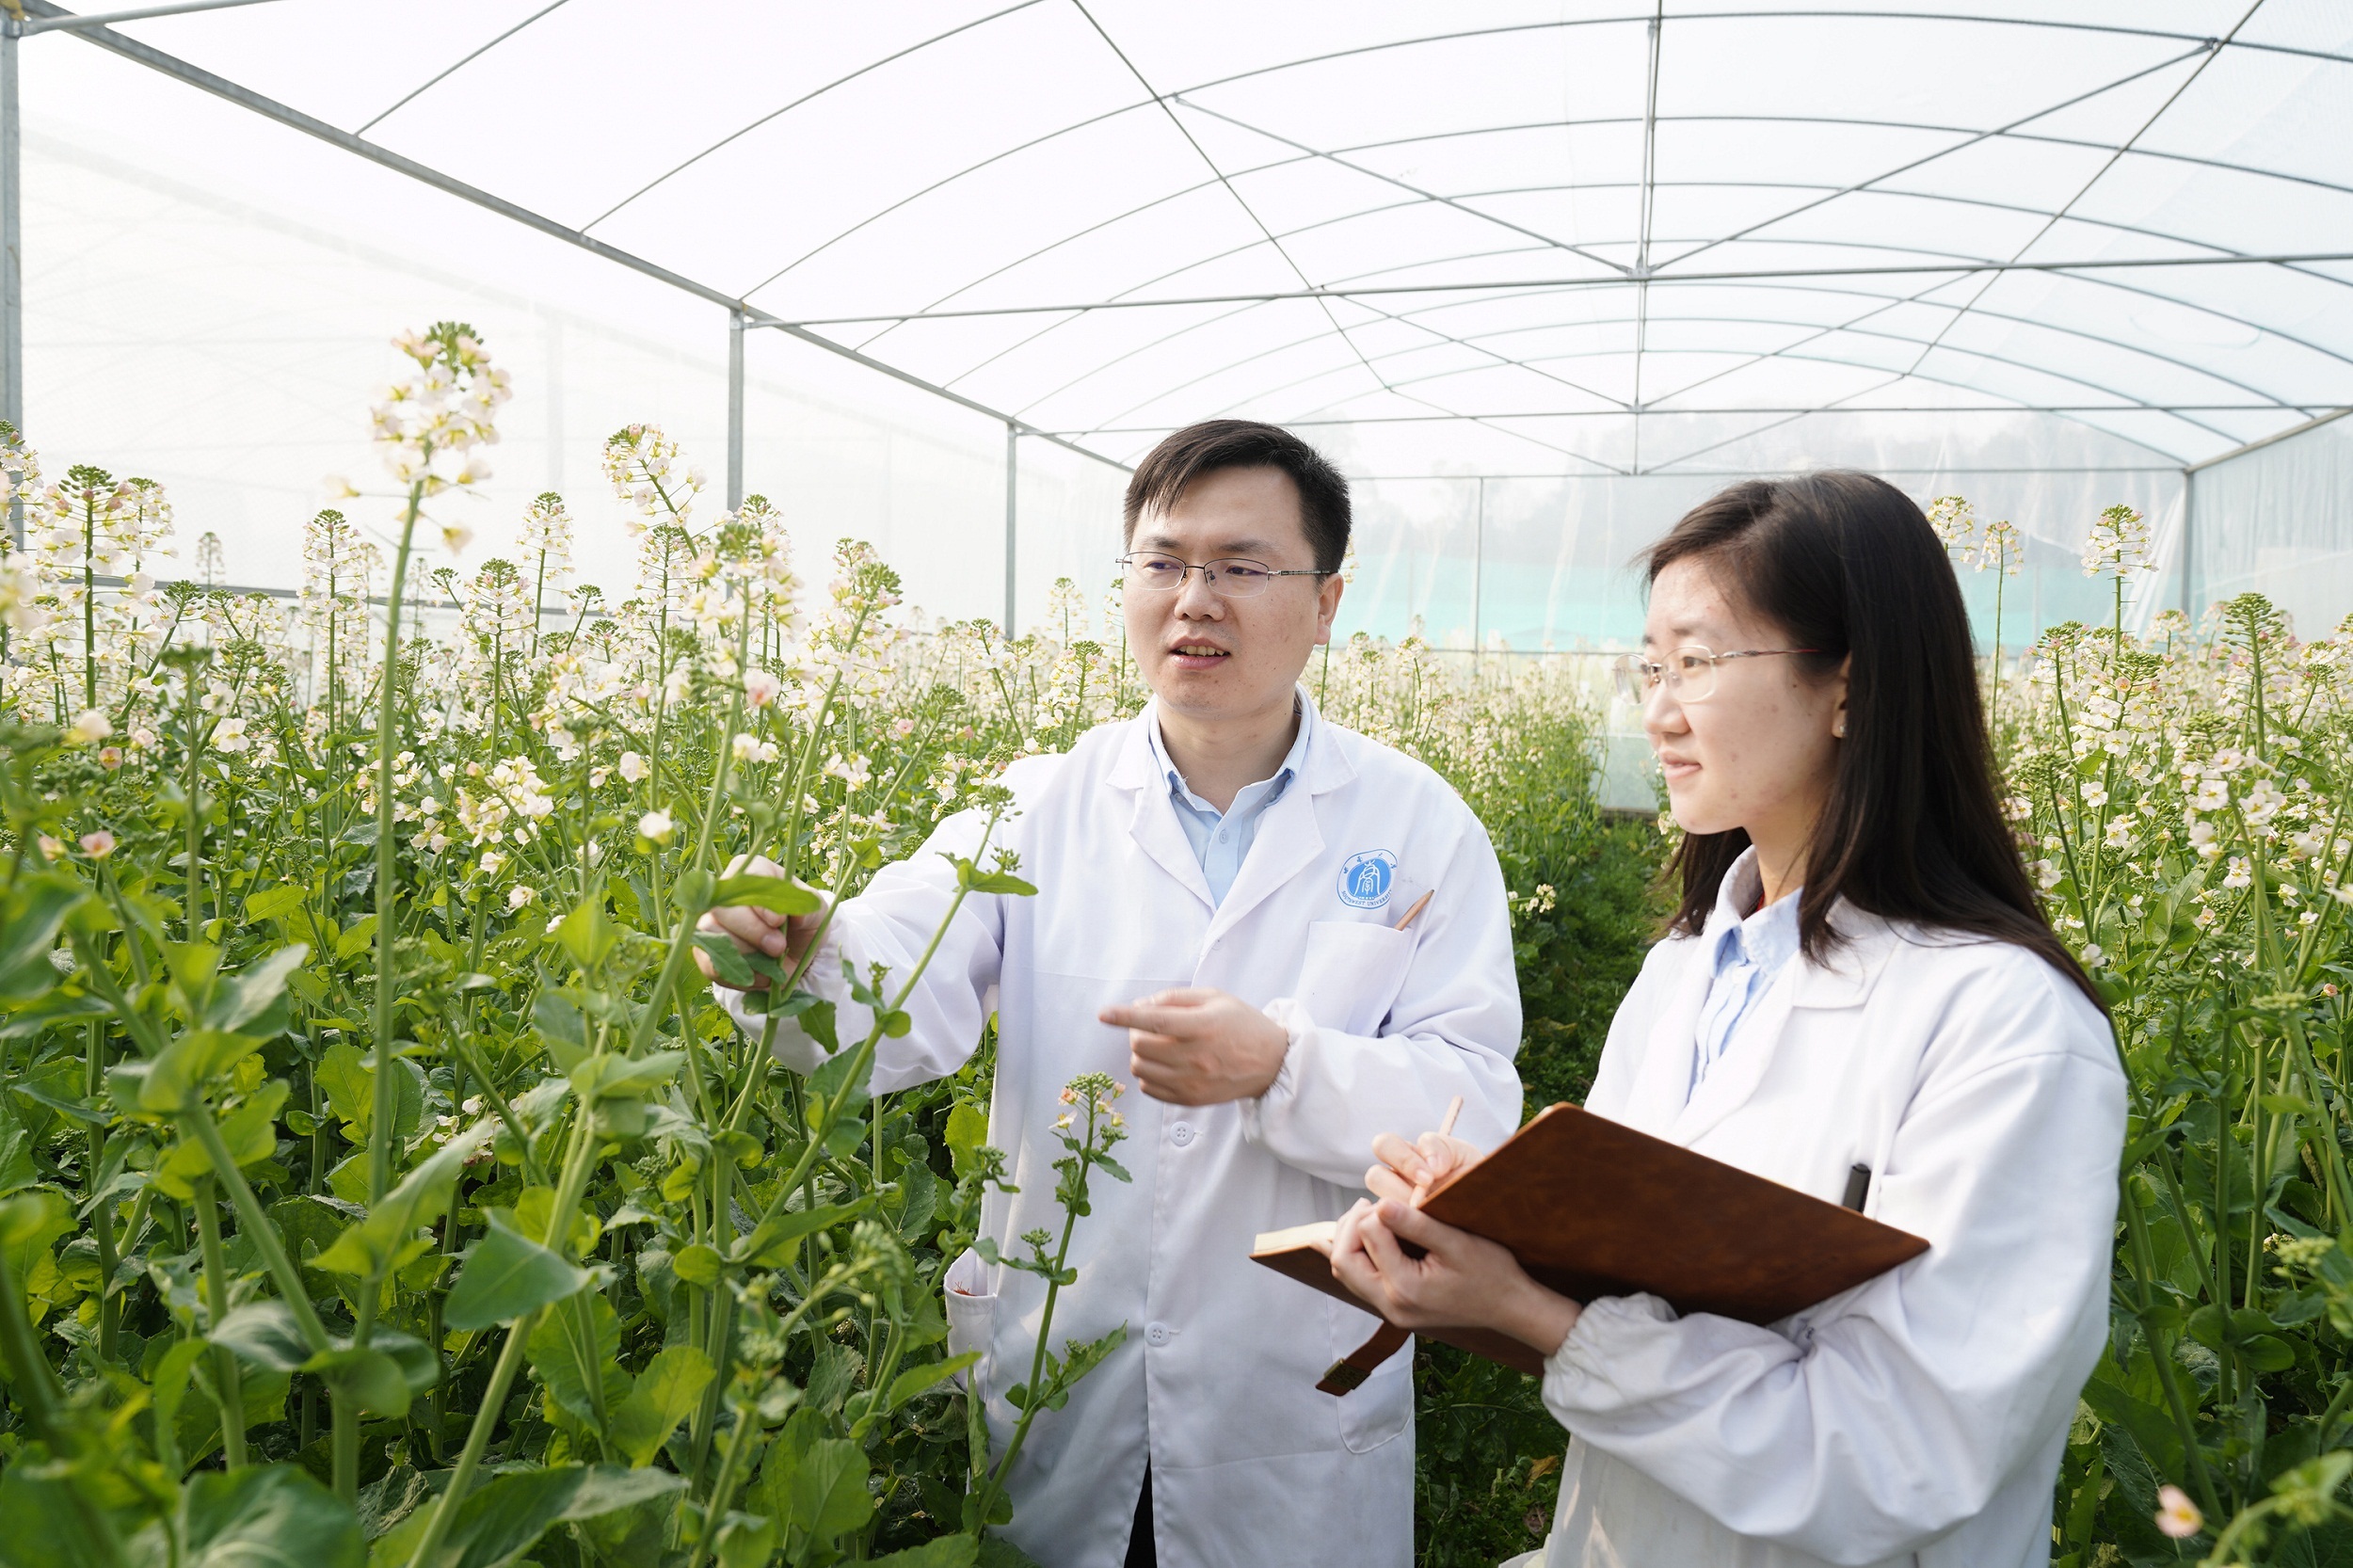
(1231, 579)
(1688, 671)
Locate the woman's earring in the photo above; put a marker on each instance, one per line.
(1839, 729)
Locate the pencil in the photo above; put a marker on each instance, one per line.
(1453, 1109)
(1419, 904)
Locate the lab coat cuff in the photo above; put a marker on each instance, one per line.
(1299, 1030)
(1581, 1374)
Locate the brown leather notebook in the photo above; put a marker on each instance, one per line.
(1593, 1208)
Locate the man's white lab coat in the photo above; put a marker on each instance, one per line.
(1916, 1419)
(1251, 1465)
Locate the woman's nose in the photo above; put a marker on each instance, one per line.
(1662, 715)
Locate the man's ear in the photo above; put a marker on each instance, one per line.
(1327, 607)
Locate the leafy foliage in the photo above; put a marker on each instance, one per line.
(379, 1178)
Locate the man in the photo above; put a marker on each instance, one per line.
(1220, 882)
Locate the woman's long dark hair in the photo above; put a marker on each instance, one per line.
(1845, 563)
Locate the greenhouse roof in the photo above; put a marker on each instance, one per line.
(1568, 238)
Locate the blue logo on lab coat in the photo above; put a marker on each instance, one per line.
(1365, 880)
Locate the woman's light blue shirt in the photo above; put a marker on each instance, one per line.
(1752, 951)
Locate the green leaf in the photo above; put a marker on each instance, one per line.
(184, 1066)
(372, 1247)
(691, 892)
(30, 916)
(746, 1541)
(2150, 1428)
(263, 1334)
(250, 1132)
(356, 940)
(535, 1217)
(2268, 1352)
(16, 1150)
(264, 1515)
(947, 1551)
(506, 1275)
(41, 1526)
(837, 1085)
(666, 1393)
(696, 1264)
(915, 1380)
(28, 1223)
(727, 959)
(832, 1373)
(613, 1077)
(369, 1378)
(580, 1362)
(778, 894)
(773, 1242)
(169, 1387)
(829, 1496)
(249, 995)
(270, 903)
(508, 1514)
(348, 1079)
(586, 933)
(968, 1129)
(995, 882)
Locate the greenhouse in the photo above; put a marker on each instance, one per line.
(383, 773)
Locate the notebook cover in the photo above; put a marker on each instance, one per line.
(1592, 1207)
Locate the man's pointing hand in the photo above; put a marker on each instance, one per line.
(1194, 1046)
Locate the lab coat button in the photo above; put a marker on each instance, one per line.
(1158, 1334)
(1180, 1134)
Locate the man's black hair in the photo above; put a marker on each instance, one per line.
(1224, 443)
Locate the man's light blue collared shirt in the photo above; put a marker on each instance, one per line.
(1750, 953)
(1221, 840)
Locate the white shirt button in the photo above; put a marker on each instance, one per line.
(1180, 1134)
(1158, 1334)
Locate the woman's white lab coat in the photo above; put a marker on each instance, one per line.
(1917, 1419)
(1251, 1465)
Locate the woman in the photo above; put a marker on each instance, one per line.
(1858, 975)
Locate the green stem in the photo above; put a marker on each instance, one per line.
(387, 907)
(94, 1080)
(731, 1468)
(216, 1303)
(2144, 1258)
(1003, 1467)
(36, 1389)
(253, 1222)
(510, 1361)
(578, 1160)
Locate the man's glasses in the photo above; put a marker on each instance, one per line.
(1230, 578)
(1688, 671)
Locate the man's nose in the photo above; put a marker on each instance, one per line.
(1196, 601)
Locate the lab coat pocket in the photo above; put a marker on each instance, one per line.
(972, 1307)
(1352, 972)
(1380, 1407)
